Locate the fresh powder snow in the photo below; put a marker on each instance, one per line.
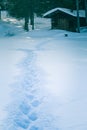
(42, 78)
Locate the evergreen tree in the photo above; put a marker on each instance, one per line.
(21, 9)
(26, 8)
(44, 5)
(62, 3)
(2, 4)
(41, 6)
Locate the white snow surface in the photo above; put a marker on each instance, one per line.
(67, 11)
(43, 83)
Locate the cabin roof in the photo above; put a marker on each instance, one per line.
(66, 11)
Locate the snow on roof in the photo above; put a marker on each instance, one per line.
(68, 11)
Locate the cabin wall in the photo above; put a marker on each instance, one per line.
(63, 23)
(60, 20)
(82, 22)
(72, 25)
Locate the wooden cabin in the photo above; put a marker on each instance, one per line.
(65, 19)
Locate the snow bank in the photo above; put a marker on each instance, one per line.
(43, 80)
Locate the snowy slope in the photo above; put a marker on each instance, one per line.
(42, 80)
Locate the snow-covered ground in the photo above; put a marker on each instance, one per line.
(42, 78)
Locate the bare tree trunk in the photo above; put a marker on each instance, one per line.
(26, 23)
(78, 19)
(86, 10)
(0, 14)
(32, 14)
(32, 20)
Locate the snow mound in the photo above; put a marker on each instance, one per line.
(9, 30)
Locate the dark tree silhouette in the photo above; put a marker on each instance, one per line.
(21, 9)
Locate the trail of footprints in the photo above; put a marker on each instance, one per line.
(23, 112)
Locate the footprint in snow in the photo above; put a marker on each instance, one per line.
(25, 108)
(35, 103)
(34, 128)
(30, 80)
(33, 116)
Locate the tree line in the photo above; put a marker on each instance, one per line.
(26, 8)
